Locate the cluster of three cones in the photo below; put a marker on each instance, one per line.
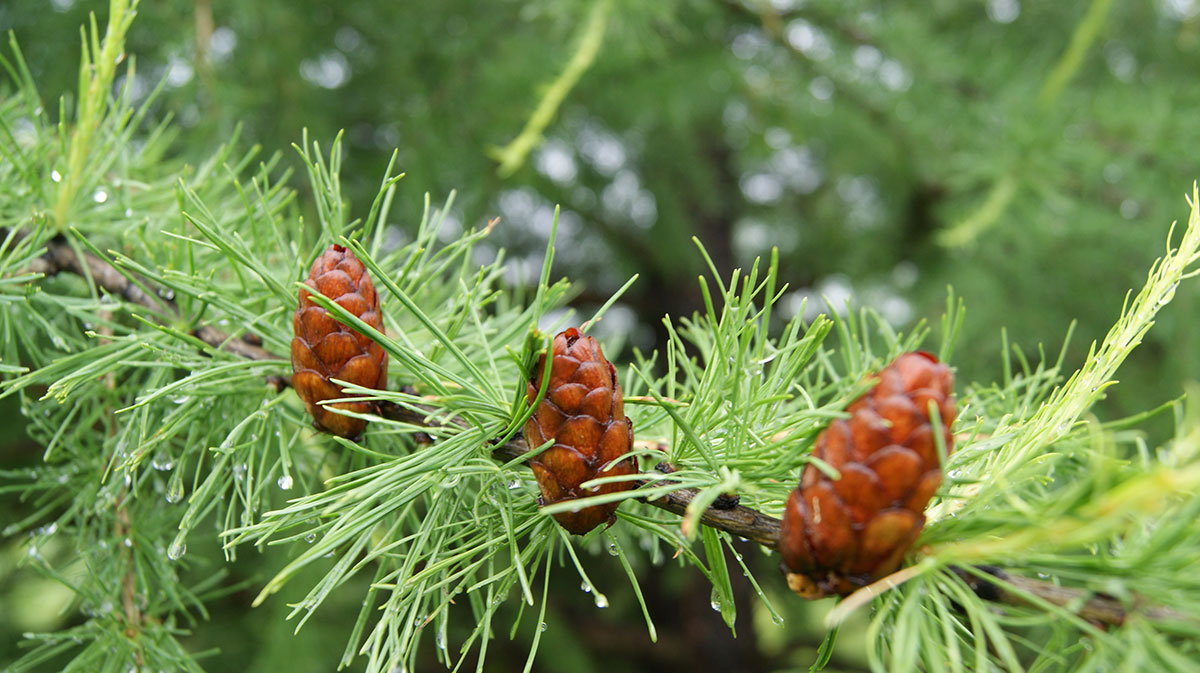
(837, 534)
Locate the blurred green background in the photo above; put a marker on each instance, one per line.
(1030, 154)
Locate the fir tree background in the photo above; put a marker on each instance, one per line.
(168, 173)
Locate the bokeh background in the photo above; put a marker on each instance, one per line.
(1031, 155)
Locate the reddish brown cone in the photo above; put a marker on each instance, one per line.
(324, 348)
(583, 413)
(841, 534)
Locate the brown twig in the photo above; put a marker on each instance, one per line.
(61, 257)
(738, 520)
(1094, 607)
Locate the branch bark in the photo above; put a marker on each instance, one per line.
(736, 520)
(60, 257)
(129, 595)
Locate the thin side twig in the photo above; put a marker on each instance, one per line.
(1096, 608)
(129, 595)
(60, 257)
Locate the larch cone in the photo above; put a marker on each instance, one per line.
(584, 414)
(842, 534)
(325, 349)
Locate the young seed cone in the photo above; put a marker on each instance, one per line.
(842, 534)
(324, 348)
(583, 412)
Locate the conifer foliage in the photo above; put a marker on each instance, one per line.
(147, 308)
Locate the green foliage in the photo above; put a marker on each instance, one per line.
(855, 137)
(1038, 487)
(155, 440)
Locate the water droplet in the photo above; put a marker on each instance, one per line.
(33, 552)
(601, 600)
(715, 600)
(239, 471)
(613, 549)
(542, 627)
(285, 482)
(127, 542)
(162, 462)
(585, 588)
(515, 483)
(174, 491)
(48, 530)
(56, 176)
(310, 538)
(99, 196)
(777, 618)
(129, 212)
(177, 549)
(181, 399)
